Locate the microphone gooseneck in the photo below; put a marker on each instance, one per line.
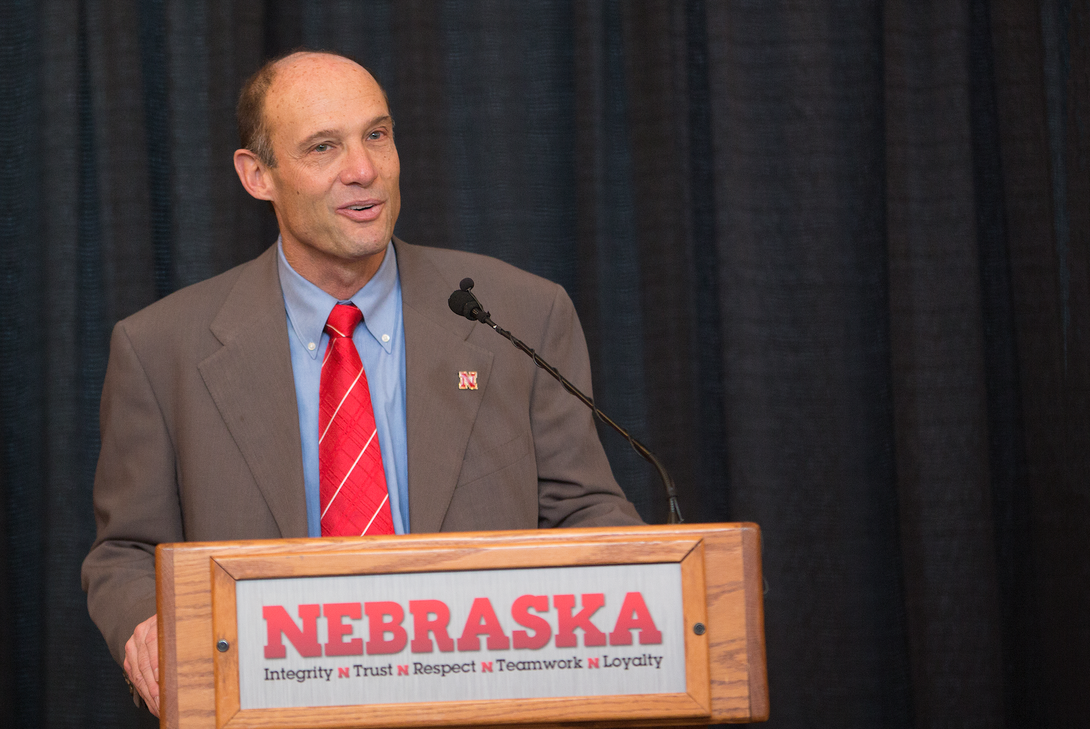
(463, 303)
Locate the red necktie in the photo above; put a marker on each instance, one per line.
(352, 488)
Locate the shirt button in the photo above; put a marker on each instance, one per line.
(311, 346)
(385, 337)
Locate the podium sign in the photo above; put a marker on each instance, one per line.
(456, 636)
(603, 627)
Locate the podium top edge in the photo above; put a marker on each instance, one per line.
(497, 538)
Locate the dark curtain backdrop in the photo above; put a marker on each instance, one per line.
(831, 258)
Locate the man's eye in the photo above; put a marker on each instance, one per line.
(377, 134)
(321, 147)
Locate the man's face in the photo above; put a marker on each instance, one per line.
(335, 187)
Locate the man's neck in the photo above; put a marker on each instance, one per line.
(340, 278)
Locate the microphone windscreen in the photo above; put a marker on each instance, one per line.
(466, 284)
(462, 303)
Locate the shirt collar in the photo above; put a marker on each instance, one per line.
(308, 306)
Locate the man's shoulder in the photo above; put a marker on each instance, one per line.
(194, 307)
(449, 260)
(496, 282)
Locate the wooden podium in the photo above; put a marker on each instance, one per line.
(630, 626)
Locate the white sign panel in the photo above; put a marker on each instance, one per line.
(459, 636)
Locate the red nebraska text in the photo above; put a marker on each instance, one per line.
(387, 634)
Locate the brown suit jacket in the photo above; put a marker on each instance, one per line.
(200, 431)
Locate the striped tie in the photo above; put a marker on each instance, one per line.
(352, 491)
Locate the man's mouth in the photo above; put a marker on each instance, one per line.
(363, 212)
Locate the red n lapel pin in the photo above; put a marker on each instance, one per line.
(467, 380)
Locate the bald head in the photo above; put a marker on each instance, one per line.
(253, 126)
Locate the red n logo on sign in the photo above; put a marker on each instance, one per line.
(280, 624)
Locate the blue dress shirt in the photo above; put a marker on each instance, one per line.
(380, 340)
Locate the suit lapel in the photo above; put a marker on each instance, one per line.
(439, 415)
(250, 380)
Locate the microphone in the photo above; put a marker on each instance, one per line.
(463, 303)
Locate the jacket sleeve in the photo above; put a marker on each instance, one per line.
(135, 498)
(576, 486)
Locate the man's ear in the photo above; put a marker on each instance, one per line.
(253, 174)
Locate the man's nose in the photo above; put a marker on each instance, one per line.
(359, 167)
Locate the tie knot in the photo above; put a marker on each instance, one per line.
(342, 320)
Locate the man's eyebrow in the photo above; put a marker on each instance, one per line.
(335, 134)
(322, 134)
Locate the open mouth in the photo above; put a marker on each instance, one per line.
(363, 212)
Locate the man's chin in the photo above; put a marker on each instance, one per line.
(361, 251)
(364, 239)
(368, 249)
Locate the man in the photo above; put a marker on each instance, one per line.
(214, 395)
